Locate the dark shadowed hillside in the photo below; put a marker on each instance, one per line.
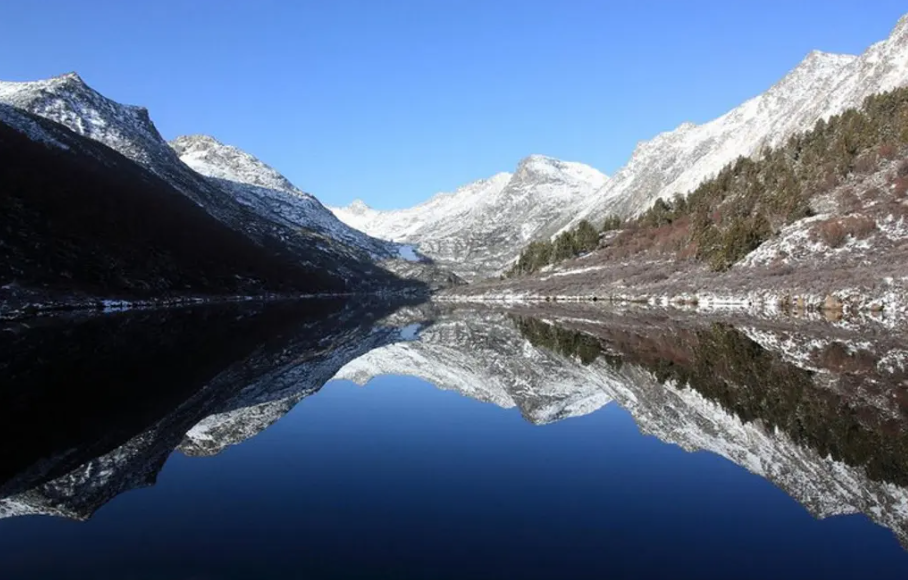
(79, 218)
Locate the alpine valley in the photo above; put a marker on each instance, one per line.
(696, 367)
(825, 219)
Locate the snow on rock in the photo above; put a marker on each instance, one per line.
(822, 85)
(128, 129)
(479, 229)
(28, 126)
(482, 227)
(231, 185)
(268, 193)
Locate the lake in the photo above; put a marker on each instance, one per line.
(330, 439)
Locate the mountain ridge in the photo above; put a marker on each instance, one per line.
(676, 161)
(472, 230)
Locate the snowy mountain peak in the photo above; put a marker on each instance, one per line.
(816, 66)
(900, 31)
(68, 100)
(358, 206)
(214, 159)
(70, 77)
(269, 194)
(550, 168)
(473, 230)
(821, 85)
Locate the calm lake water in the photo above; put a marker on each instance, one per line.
(339, 441)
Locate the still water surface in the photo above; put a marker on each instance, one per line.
(525, 476)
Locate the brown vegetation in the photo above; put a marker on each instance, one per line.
(750, 200)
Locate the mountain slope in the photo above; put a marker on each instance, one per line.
(270, 195)
(127, 129)
(822, 85)
(673, 162)
(478, 229)
(78, 219)
(258, 186)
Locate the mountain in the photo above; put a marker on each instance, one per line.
(79, 221)
(822, 85)
(479, 229)
(269, 194)
(69, 101)
(673, 162)
(259, 187)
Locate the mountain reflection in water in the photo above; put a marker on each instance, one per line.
(91, 408)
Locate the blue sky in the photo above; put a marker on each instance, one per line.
(392, 101)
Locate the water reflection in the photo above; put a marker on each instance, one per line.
(821, 412)
(92, 408)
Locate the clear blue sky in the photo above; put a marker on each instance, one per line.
(392, 101)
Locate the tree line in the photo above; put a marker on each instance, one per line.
(751, 199)
(581, 239)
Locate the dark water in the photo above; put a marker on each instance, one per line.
(529, 462)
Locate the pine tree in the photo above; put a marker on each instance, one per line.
(586, 238)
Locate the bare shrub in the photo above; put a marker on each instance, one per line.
(866, 163)
(900, 187)
(689, 251)
(826, 183)
(832, 232)
(872, 194)
(837, 358)
(888, 151)
(859, 226)
(672, 238)
(897, 209)
(903, 169)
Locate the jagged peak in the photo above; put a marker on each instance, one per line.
(215, 159)
(358, 205)
(186, 142)
(544, 165)
(70, 77)
(900, 30)
(821, 56)
(69, 82)
(816, 65)
(539, 158)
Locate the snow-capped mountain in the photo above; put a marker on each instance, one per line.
(821, 86)
(281, 218)
(479, 229)
(268, 193)
(488, 227)
(118, 231)
(127, 129)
